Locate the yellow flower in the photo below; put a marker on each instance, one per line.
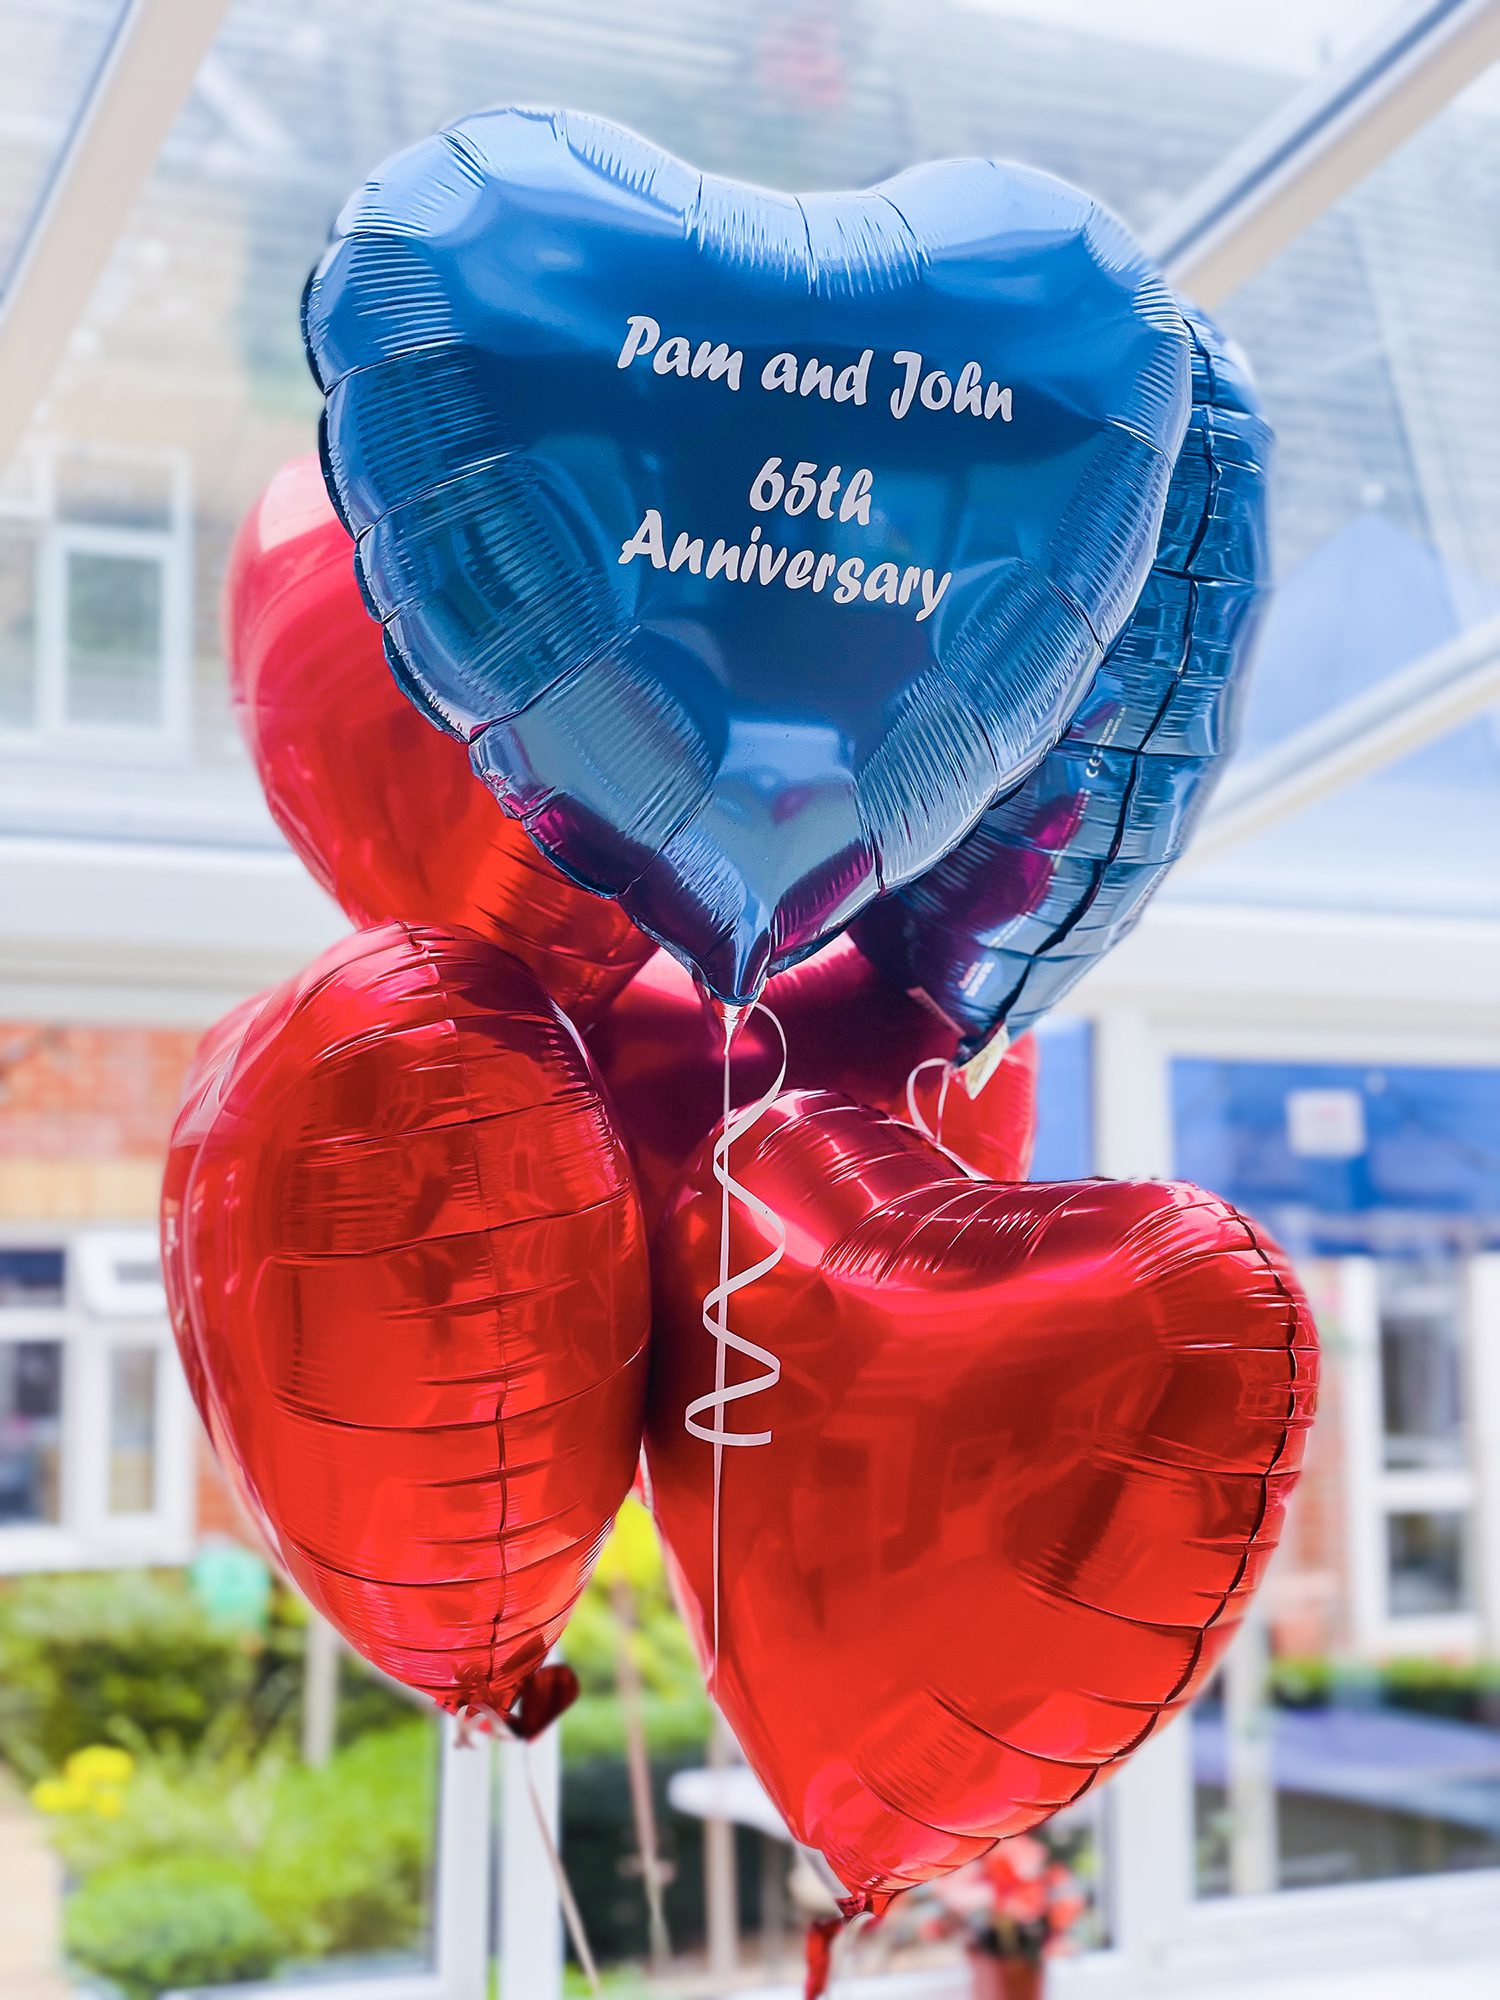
(56, 1795)
(632, 1554)
(109, 1804)
(100, 1764)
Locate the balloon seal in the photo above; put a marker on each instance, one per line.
(541, 1698)
(977, 1071)
(865, 1903)
(823, 1933)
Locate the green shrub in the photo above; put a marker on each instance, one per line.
(86, 1659)
(1463, 1690)
(346, 1853)
(172, 1805)
(133, 1657)
(189, 1921)
(675, 1705)
(330, 1861)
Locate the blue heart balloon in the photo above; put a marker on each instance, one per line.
(1059, 870)
(753, 542)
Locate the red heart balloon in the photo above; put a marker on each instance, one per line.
(382, 808)
(408, 1277)
(847, 1029)
(1030, 1451)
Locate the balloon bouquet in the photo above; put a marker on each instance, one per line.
(851, 596)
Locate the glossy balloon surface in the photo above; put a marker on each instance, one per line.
(847, 1029)
(407, 1275)
(1030, 1452)
(1060, 870)
(380, 806)
(566, 375)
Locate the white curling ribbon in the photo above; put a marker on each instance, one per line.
(716, 1305)
(913, 1110)
(716, 1302)
(935, 1132)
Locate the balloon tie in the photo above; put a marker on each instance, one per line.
(716, 1305)
(913, 1111)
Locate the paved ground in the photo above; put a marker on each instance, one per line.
(31, 1896)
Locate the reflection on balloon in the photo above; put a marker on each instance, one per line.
(1060, 870)
(847, 1029)
(1030, 1452)
(754, 543)
(408, 1279)
(382, 808)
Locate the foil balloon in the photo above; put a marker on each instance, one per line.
(846, 1028)
(1062, 867)
(1028, 1456)
(381, 808)
(407, 1275)
(754, 543)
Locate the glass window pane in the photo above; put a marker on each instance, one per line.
(31, 1277)
(48, 56)
(1135, 103)
(18, 575)
(1368, 335)
(132, 1429)
(1427, 1558)
(1421, 1366)
(192, 345)
(1335, 1745)
(114, 638)
(31, 1378)
(122, 489)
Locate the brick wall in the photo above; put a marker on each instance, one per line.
(85, 1116)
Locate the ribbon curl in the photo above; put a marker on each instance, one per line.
(734, 1126)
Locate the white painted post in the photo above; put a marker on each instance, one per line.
(461, 1920)
(1358, 1360)
(531, 1920)
(1484, 1439)
(1149, 1848)
(320, 1691)
(1251, 1787)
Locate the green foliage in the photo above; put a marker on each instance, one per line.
(173, 1805)
(188, 1921)
(84, 1659)
(326, 1861)
(1465, 1690)
(346, 1853)
(675, 1705)
(134, 1657)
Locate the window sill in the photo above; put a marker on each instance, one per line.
(29, 1551)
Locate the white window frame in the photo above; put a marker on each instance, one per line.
(1165, 1938)
(89, 1536)
(1374, 1492)
(51, 729)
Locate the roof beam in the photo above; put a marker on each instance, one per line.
(1435, 694)
(1351, 117)
(126, 113)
